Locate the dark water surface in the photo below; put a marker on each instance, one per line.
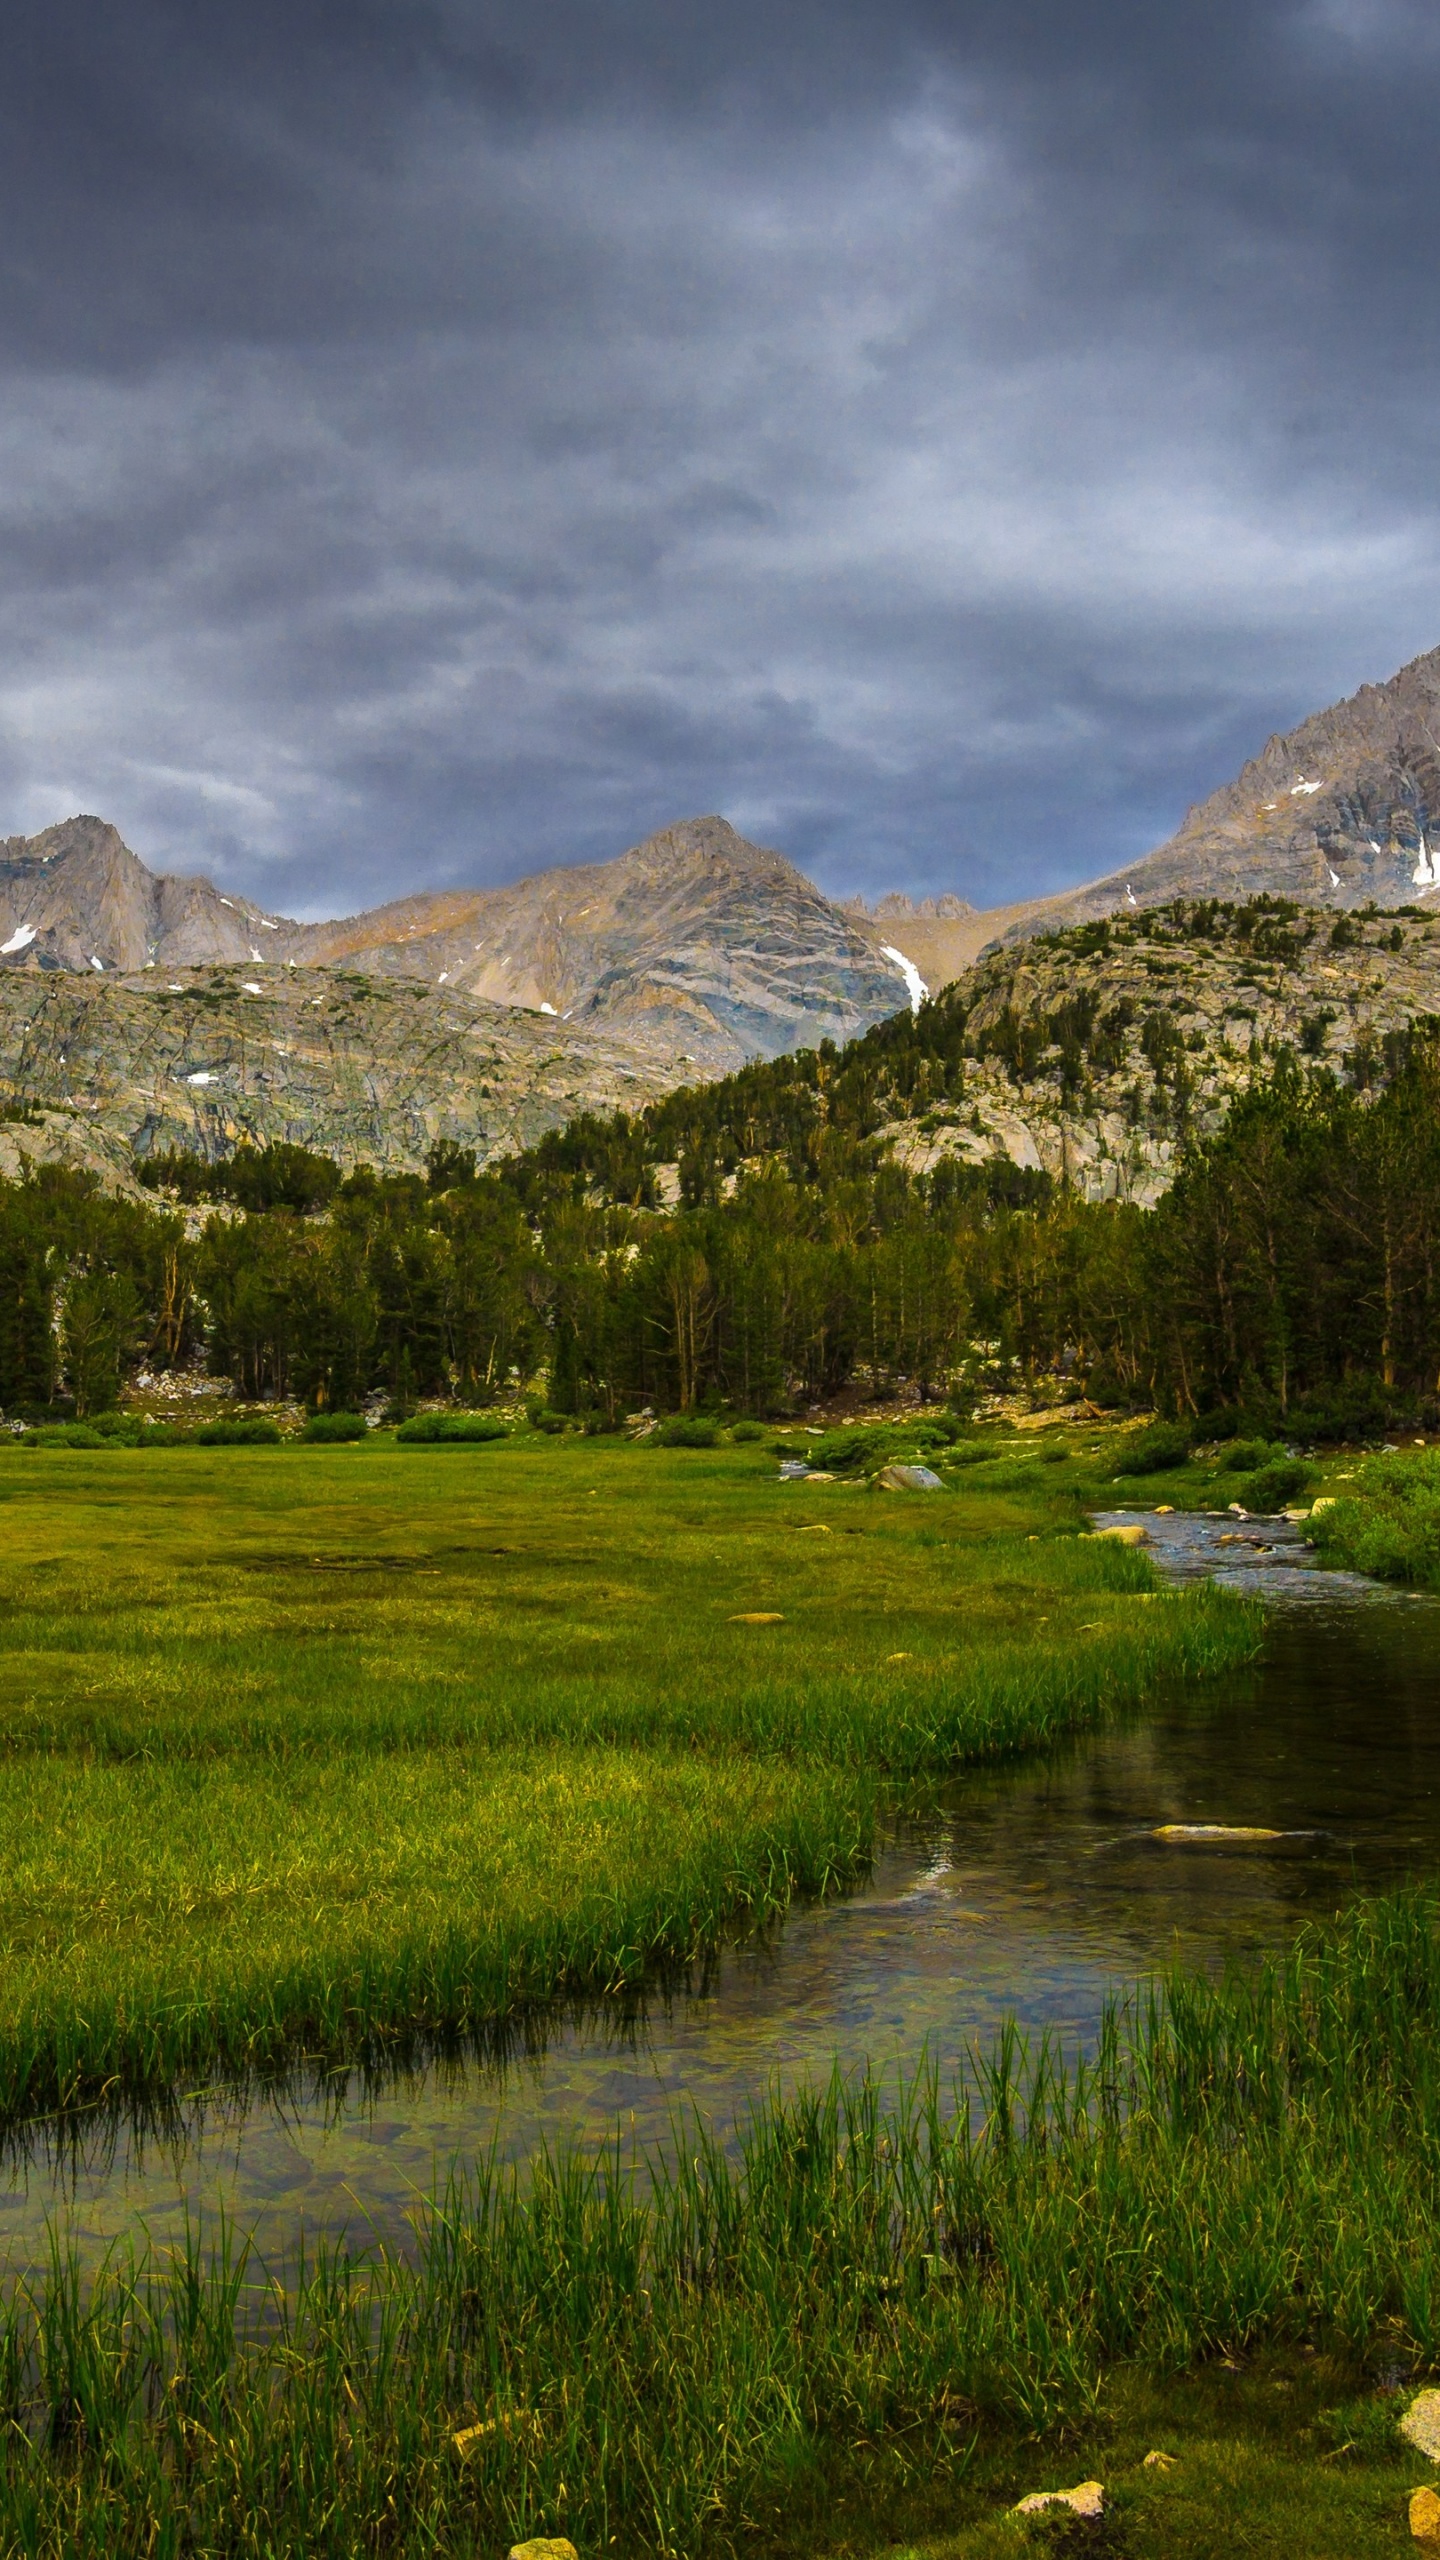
(1028, 1892)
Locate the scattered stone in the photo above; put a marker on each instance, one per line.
(1425, 2518)
(1158, 2461)
(817, 1529)
(1324, 1502)
(758, 1618)
(1420, 2425)
(543, 2548)
(1162, 1508)
(901, 1479)
(1131, 1533)
(1088, 2500)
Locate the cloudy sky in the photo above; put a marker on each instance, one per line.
(446, 437)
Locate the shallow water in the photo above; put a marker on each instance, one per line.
(1029, 1891)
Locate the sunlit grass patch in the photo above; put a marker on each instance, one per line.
(299, 1745)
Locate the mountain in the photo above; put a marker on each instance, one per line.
(712, 947)
(1341, 812)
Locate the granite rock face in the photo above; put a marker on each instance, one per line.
(697, 942)
(368, 1070)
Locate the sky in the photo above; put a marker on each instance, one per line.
(442, 439)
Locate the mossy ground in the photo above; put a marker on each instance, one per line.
(1277, 2457)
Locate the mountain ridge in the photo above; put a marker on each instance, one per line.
(697, 938)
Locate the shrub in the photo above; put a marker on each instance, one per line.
(541, 1418)
(850, 1447)
(974, 1453)
(1273, 1486)
(940, 1429)
(451, 1430)
(687, 1431)
(245, 1434)
(1242, 1457)
(65, 1435)
(1164, 1445)
(742, 1431)
(1390, 1525)
(336, 1426)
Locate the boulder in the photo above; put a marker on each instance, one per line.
(1158, 2461)
(1420, 2425)
(1088, 2500)
(902, 1479)
(1425, 2519)
(543, 2548)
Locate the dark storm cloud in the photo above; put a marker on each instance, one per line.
(439, 440)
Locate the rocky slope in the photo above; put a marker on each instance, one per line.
(696, 940)
(95, 1070)
(1090, 1052)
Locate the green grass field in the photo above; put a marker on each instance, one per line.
(303, 1748)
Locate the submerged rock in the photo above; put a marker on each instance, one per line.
(1087, 2500)
(1219, 1831)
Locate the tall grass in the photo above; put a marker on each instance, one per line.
(652, 2363)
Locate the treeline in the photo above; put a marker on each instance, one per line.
(1292, 1273)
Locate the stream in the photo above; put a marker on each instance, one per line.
(1029, 1891)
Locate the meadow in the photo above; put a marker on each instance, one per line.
(307, 1749)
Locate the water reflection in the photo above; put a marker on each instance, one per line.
(1029, 1891)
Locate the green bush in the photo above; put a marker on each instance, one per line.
(1390, 1525)
(743, 1431)
(1242, 1457)
(336, 1426)
(65, 1435)
(1270, 1488)
(688, 1431)
(250, 1433)
(846, 1450)
(541, 1418)
(451, 1430)
(1154, 1452)
(974, 1453)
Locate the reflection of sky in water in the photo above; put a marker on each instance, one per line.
(1027, 1891)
